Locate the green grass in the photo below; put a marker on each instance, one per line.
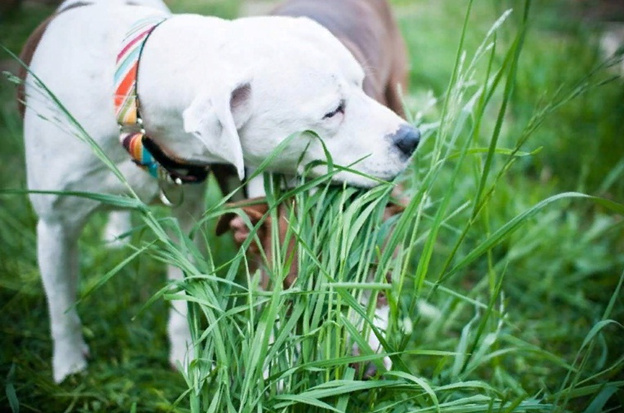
(506, 288)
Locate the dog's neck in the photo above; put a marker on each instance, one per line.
(144, 151)
(191, 74)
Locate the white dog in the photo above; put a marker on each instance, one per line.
(211, 92)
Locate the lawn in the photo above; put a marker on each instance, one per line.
(506, 292)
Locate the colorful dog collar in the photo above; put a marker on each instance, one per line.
(131, 132)
(143, 150)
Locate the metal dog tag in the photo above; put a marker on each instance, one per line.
(171, 192)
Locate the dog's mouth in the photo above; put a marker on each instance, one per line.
(179, 170)
(357, 175)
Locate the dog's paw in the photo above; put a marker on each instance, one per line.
(68, 359)
(369, 370)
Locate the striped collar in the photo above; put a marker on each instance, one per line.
(143, 150)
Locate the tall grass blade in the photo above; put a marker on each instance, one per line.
(9, 389)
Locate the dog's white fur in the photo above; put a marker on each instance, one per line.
(211, 90)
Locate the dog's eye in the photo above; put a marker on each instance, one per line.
(339, 109)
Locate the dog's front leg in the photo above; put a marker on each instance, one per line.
(382, 315)
(118, 224)
(177, 326)
(180, 340)
(57, 251)
(380, 321)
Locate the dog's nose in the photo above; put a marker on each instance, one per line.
(406, 139)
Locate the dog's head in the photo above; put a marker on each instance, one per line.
(294, 77)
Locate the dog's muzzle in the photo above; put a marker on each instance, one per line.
(406, 139)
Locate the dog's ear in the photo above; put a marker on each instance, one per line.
(215, 117)
(392, 209)
(234, 222)
(241, 231)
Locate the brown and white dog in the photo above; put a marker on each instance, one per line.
(213, 92)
